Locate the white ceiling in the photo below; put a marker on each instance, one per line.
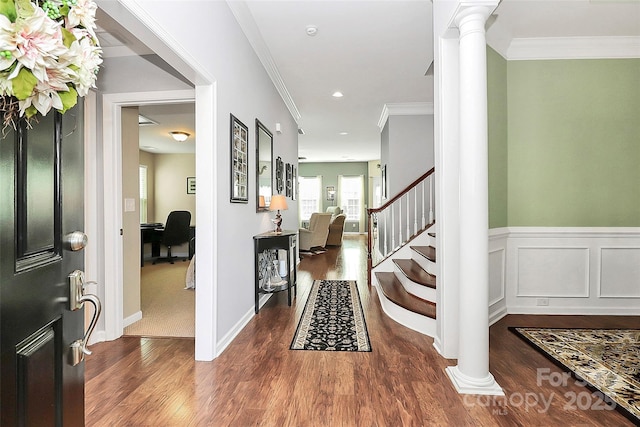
(377, 53)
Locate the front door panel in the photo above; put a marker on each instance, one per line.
(41, 201)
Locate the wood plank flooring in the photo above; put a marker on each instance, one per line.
(259, 381)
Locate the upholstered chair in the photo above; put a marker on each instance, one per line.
(336, 229)
(316, 234)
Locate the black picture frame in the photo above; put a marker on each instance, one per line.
(294, 191)
(191, 185)
(279, 175)
(239, 178)
(289, 179)
(384, 181)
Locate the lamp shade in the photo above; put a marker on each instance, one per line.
(278, 203)
(261, 202)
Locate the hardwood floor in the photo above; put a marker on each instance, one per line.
(259, 381)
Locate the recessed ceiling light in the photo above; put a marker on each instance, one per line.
(312, 30)
(337, 94)
(344, 133)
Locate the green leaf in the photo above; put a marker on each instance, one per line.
(23, 84)
(69, 99)
(30, 111)
(8, 9)
(67, 37)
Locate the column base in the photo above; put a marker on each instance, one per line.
(468, 385)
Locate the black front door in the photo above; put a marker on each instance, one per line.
(41, 204)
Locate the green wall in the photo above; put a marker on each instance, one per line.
(498, 141)
(573, 143)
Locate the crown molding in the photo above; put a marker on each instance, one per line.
(248, 25)
(404, 109)
(572, 48)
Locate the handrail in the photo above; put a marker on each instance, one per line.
(403, 192)
(387, 213)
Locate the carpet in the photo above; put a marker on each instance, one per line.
(332, 319)
(608, 360)
(168, 309)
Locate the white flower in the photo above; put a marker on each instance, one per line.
(39, 42)
(83, 14)
(7, 43)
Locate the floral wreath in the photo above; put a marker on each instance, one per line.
(49, 55)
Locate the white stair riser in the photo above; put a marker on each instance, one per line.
(417, 322)
(414, 288)
(427, 265)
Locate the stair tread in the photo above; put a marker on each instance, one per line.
(415, 273)
(428, 252)
(394, 291)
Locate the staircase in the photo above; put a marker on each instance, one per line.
(405, 275)
(407, 293)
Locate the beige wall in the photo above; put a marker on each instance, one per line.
(148, 160)
(130, 219)
(171, 172)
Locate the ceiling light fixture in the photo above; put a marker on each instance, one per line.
(344, 133)
(337, 94)
(312, 30)
(179, 136)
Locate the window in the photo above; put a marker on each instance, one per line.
(351, 196)
(309, 196)
(143, 194)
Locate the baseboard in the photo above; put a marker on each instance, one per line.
(131, 319)
(235, 330)
(496, 315)
(576, 311)
(98, 336)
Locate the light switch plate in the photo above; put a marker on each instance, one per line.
(129, 205)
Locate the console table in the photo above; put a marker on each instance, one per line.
(286, 240)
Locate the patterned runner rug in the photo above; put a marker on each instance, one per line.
(607, 359)
(332, 319)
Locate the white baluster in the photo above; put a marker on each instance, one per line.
(400, 221)
(424, 208)
(393, 228)
(386, 234)
(408, 219)
(415, 210)
(431, 217)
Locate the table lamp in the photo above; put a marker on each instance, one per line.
(278, 203)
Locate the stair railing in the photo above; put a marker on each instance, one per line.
(400, 219)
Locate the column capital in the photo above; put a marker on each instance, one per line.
(474, 11)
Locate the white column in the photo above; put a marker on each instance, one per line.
(472, 375)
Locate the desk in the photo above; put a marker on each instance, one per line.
(286, 240)
(152, 233)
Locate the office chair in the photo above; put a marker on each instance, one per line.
(176, 232)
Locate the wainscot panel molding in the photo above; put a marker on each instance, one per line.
(497, 273)
(570, 270)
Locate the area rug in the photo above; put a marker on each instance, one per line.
(332, 319)
(606, 359)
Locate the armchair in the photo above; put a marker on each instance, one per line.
(316, 235)
(335, 230)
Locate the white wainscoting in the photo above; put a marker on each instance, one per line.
(497, 274)
(564, 270)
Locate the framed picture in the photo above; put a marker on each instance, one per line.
(384, 181)
(279, 175)
(294, 183)
(191, 185)
(289, 179)
(239, 161)
(331, 193)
